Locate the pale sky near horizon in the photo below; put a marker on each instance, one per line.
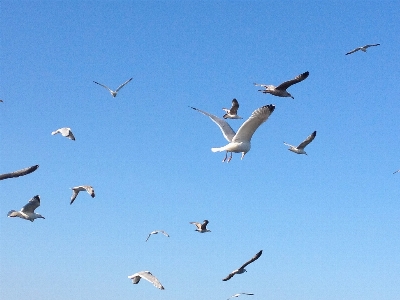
(328, 223)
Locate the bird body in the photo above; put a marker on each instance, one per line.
(156, 232)
(363, 48)
(242, 269)
(148, 276)
(65, 131)
(112, 92)
(232, 112)
(239, 142)
(202, 228)
(300, 148)
(280, 90)
(77, 189)
(28, 211)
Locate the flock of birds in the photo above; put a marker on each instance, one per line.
(238, 142)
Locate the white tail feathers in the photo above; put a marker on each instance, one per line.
(54, 132)
(216, 150)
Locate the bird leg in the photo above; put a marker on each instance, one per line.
(230, 157)
(226, 156)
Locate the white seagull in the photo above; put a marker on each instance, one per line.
(242, 268)
(201, 227)
(238, 294)
(240, 141)
(77, 189)
(65, 131)
(300, 148)
(28, 211)
(148, 276)
(156, 232)
(232, 112)
(114, 93)
(280, 90)
(363, 48)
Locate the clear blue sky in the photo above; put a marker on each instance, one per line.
(328, 223)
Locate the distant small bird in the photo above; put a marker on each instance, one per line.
(239, 141)
(114, 93)
(28, 211)
(156, 232)
(363, 48)
(65, 131)
(280, 90)
(77, 189)
(242, 268)
(18, 173)
(232, 112)
(300, 148)
(396, 171)
(148, 276)
(201, 227)
(238, 294)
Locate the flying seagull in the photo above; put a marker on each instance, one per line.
(28, 211)
(238, 294)
(240, 141)
(396, 171)
(65, 131)
(114, 93)
(156, 232)
(148, 276)
(77, 189)
(300, 148)
(201, 227)
(363, 48)
(242, 268)
(232, 112)
(18, 173)
(280, 90)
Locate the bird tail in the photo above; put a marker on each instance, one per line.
(217, 149)
(54, 132)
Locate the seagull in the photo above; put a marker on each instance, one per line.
(300, 148)
(18, 173)
(148, 276)
(396, 171)
(28, 211)
(232, 112)
(280, 90)
(156, 232)
(201, 227)
(238, 294)
(65, 131)
(77, 189)
(114, 93)
(363, 48)
(242, 268)
(240, 141)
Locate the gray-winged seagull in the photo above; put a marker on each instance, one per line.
(28, 211)
(363, 48)
(232, 112)
(65, 131)
(300, 148)
(77, 189)
(239, 141)
(148, 276)
(201, 227)
(280, 90)
(114, 93)
(18, 173)
(156, 232)
(238, 294)
(242, 268)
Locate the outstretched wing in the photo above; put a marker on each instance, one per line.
(235, 107)
(74, 195)
(18, 173)
(151, 278)
(297, 79)
(164, 233)
(122, 85)
(104, 86)
(251, 260)
(371, 45)
(248, 128)
(198, 225)
(226, 130)
(308, 140)
(229, 276)
(32, 205)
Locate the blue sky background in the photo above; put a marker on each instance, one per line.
(328, 223)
